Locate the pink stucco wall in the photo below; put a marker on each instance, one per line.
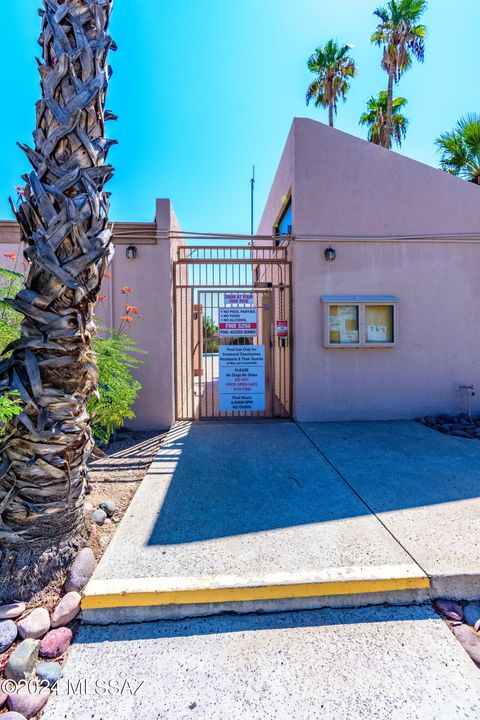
(150, 278)
(343, 186)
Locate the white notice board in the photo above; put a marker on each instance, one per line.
(237, 322)
(241, 377)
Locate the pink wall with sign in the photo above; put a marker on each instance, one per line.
(371, 205)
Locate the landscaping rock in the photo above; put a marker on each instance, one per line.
(8, 634)
(3, 698)
(22, 661)
(49, 672)
(28, 704)
(13, 716)
(451, 609)
(35, 625)
(9, 612)
(469, 640)
(67, 609)
(88, 508)
(99, 517)
(104, 540)
(56, 642)
(108, 506)
(81, 570)
(471, 613)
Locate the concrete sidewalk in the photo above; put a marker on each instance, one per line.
(422, 485)
(397, 663)
(251, 513)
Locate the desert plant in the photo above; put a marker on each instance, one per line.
(117, 391)
(460, 149)
(375, 118)
(334, 69)
(402, 38)
(63, 217)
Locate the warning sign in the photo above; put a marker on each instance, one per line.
(238, 298)
(237, 322)
(281, 328)
(241, 377)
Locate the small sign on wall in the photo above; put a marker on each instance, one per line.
(241, 377)
(237, 322)
(281, 328)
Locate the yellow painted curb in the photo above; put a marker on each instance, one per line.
(135, 598)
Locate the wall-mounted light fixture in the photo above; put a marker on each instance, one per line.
(131, 252)
(330, 254)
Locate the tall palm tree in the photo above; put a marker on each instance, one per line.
(460, 149)
(63, 218)
(333, 68)
(375, 118)
(402, 38)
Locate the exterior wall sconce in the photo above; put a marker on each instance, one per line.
(330, 254)
(131, 252)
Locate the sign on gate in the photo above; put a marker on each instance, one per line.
(241, 377)
(239, 298)
(237, 322)
(281, 328)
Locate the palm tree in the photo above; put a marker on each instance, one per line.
(63, 217)
(333, 68)
(460, 149)
(402, 38)
(375, 118)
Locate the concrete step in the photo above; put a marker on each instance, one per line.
(154, 598)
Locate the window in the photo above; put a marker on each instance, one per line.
(360, 320)
(283, 226)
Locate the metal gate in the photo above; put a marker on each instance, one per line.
(232, 373)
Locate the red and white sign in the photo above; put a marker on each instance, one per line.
(281, 328)
(237, 322)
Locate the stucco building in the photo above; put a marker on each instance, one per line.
(365, 276)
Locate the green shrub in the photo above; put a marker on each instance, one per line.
(116, 358)
(11, 282)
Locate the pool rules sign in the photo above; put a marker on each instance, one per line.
(241, 377)
(237, 322)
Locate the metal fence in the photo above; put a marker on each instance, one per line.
(205, 279)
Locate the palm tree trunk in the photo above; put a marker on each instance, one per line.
(64, 223)
(330, 115)
(388, 122)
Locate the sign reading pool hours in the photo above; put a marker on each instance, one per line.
(238, 298)
(241, 377)
(237, 322)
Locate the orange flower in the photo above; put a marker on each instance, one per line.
(107, 275)
(25, 264)
(131, 309)
(126, 319)
(10, 256)
(101, 298)
(126, 290)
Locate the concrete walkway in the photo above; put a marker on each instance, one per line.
(400, 663)
(422, 485)
(249, 512)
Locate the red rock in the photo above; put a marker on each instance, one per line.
(56, 642)
(28, 704)
(81, 570)
(451, 609)
(35, 625)
(470, 641)
(67, 609)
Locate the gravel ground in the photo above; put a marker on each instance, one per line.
(118, 476)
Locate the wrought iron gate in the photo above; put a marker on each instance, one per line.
(205, 280)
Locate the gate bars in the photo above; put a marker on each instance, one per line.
(202, 275)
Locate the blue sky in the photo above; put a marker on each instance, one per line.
(205, 88)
